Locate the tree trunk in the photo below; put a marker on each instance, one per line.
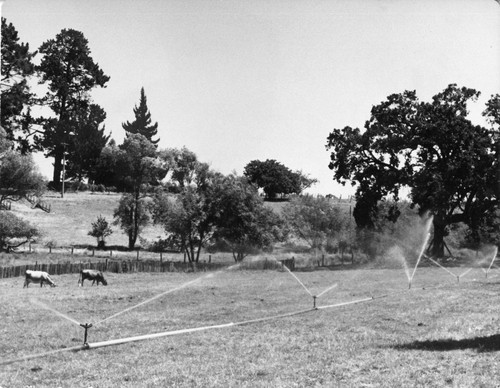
(56, 177)
(131, 240)
(436, 248)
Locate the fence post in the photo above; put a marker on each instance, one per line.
(72, 250)
(161, 257)
(138, 255)
(323, 260)
(110, 253)
(93, 252)
(209, 259)
(106, 265)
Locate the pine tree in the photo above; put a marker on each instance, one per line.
(17, 68)
(70, 74)
(142, 123)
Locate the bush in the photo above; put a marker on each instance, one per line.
(14, 231)
(100, 230)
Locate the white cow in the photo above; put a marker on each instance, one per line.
(38, 277)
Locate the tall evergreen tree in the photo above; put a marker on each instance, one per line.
(17, 67)
(142, 123)
(87, 143)
(71, 74)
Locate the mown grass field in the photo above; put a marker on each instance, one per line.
(445, 335)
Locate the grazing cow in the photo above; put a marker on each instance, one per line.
(92, 274)
(38, 277)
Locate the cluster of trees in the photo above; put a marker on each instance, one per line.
(207, 206)
(276, 179)
(18, 178)
(450, 165)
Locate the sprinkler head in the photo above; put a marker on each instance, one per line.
(86, 326)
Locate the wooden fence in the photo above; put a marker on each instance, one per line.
(124, 266)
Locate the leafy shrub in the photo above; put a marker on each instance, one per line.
(100, 230)
(14, 231)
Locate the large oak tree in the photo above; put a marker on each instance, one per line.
(450, 164)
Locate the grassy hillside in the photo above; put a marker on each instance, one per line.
(70, 219)
(432, 337)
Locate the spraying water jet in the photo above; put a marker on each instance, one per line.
(495, 251)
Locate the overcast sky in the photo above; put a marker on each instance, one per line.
(236, 81)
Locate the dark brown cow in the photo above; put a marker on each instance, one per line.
(92, 274)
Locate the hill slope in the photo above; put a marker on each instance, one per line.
(70, 219)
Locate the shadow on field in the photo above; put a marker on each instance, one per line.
(481, 344)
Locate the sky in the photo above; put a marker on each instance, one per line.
(236, 81)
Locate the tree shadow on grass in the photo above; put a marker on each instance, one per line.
(481, 344)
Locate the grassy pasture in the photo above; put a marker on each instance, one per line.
(70, 218)
(435, 337)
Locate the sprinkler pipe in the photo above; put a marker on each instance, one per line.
(120, 341)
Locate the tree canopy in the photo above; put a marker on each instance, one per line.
(276, 179)
(138, 167)
(315, 220)
(70, 74)
(17, 68)
(189, 218)
(142, 123)
(449, 164)
(19, 176)
(244, 223)
(87, 143)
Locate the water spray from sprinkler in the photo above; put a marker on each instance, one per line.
(495, 251)
(424, 245)
(296, 278)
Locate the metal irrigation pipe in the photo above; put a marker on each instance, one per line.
(120, 341)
